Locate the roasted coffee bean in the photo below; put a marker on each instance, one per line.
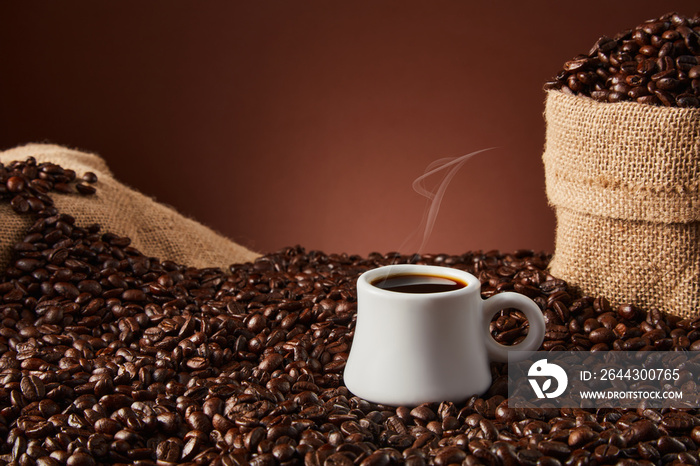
(668, 444)
(449, 455)
(678, 421)
(606, 453)
(90, 177)
(554, 449)
(648, 451)
(602, 335)
(80, 459)
(271, 362)
(15, 184)
(32, 388)
(627, 311)
(641, 430)
(423, 413)
(581, 436)
(83, 188)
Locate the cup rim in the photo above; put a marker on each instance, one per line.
(473, 283)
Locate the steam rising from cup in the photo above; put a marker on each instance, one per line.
(452, 165)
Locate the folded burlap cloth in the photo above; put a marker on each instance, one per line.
(155, 229)
(624, 179)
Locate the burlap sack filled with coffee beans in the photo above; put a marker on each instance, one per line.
(624, 179)
(155, 229)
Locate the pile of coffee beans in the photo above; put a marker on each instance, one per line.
(108, 356)
(657, 63)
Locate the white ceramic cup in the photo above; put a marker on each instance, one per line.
(413, 348)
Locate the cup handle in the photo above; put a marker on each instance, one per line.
(535, 336)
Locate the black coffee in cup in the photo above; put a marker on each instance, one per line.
(415, 283)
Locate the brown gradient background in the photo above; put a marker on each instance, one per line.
(305, 122)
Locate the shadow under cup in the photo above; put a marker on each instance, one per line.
(422, 335)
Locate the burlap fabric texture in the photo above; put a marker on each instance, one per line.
(624, 180)
(155, 229)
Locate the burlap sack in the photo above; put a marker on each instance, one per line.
(624, 180)
(155, 229)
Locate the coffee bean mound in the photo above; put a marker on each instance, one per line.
(111, 357)
(657, 63)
